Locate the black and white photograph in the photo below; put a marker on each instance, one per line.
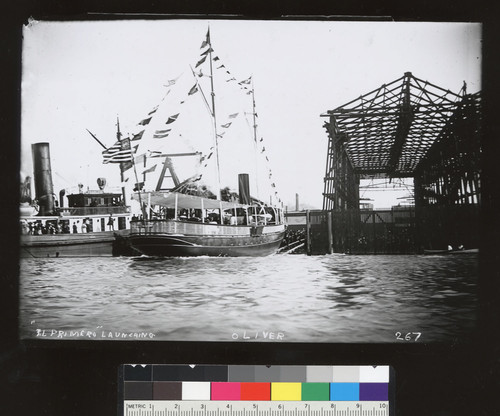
(232, 180)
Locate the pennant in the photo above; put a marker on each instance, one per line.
(160, 134)
(137, 136)
(219, 67)
(226, 125)
(151, 169)
(263, 150)
(193, 90)
(221, 134)
(171, 119)
(124, 181)
(200, 74)
(206, 41)
(231, 79)
(140, 159)
(170, 82)
(154, 153)
(200, 61)
(210, 155)
(145, 121)
(207, 51)
(153, 111)
(246, 81)
(216, 59)
(233, 115)
(261, 139)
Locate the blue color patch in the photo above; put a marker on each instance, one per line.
(344, 391)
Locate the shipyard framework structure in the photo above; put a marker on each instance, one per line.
(408, 128)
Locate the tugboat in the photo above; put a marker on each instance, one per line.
(93, 224)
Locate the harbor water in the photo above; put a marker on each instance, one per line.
(279, 298)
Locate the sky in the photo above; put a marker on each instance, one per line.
(83, 75)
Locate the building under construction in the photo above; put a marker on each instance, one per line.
(408, 128)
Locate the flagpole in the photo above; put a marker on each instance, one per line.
(254, 114)
(214, 117)
(122, 177)
(137, 182)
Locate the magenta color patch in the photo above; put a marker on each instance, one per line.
(226, 391)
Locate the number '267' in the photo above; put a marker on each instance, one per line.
(409, 336)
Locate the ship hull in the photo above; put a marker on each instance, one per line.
(98, 244)
(242, 241)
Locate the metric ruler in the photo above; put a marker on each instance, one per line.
(274, 408)
(216, 390)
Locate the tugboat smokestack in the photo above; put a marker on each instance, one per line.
(44, 189)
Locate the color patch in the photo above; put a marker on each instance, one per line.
(264, 373)
(286, 391)
(137, 372)
(344, 391)
(346, 374)
(370, 374)
(319, 374)
(241, 373)
(374, 391)
(137, 390)
(316, 391)
(188, 373)
(226, 391)
(292, 373)
(167, 390)
(256, 391)
(196, 390)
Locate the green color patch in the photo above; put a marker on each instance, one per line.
(315, 391)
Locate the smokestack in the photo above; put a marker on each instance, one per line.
(44, 190)
(244, 188)
(62, 192)
(297, 202)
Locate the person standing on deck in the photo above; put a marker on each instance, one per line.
(111, 223)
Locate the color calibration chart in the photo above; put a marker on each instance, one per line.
(234, 390)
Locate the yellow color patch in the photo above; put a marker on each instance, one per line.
(286, 391)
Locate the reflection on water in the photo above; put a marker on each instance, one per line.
(333, 298)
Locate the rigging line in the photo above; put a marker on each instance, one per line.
(201, 90)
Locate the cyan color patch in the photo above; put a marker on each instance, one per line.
(344, 391)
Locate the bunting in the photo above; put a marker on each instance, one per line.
(193, 90)
(153, 111)
(226, 125)
(137, 136)
(219, 67)
(160, 134)
(200, 61)
(171, 119)
(231, 79)
(207, 51)
(216, 59)
(206, 41)
(245, 81)
(150, 170)
(145, 121)
(233, 115)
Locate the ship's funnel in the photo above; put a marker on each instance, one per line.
(244, 188)
(44, 190)
(62, 192)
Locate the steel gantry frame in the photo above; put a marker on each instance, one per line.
(406, 128)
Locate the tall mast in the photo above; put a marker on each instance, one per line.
(214, 117)
(122, 178)
(256, 145)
